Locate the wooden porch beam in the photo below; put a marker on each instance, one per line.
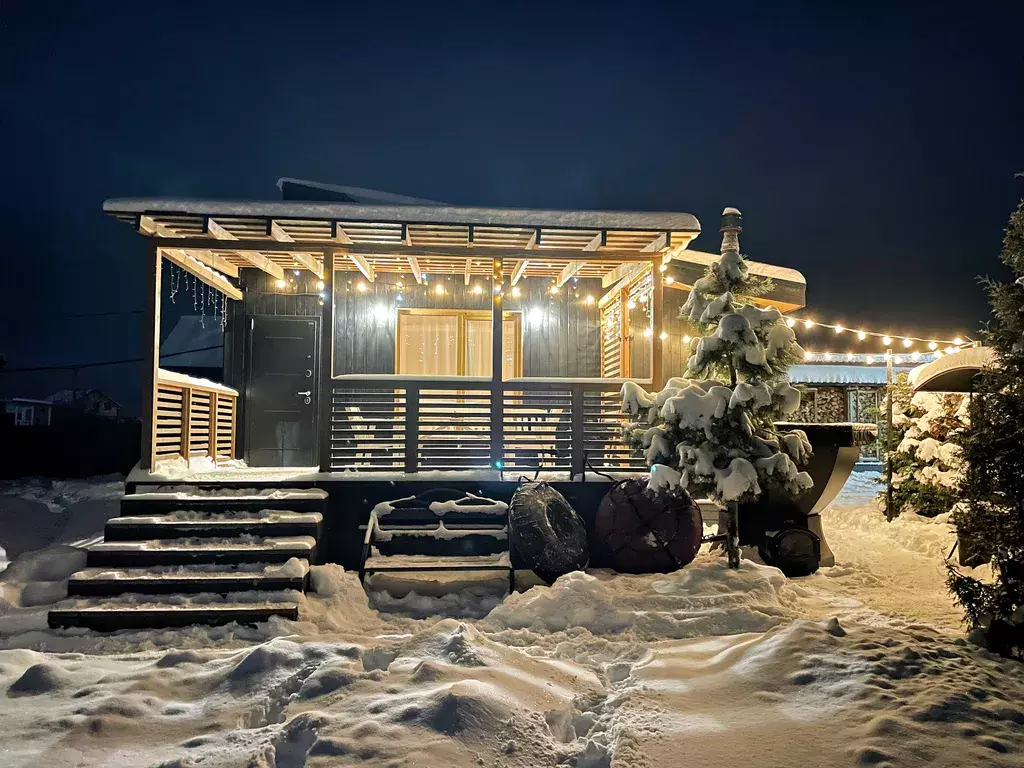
(201, 271)
(338, 234)
(306, 260)
(211, 227)
(655, 246)
(622, 272)
(570, 269)
(212, 260)
(477, 251)
(519, 269)
(260, 261)
(534, 240)
(414, 265)
(658, 326)
(362, 265)
(151, 355)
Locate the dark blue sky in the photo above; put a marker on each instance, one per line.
(873, 149)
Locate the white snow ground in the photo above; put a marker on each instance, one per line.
(861, 664)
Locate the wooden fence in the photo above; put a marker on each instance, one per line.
(193, 419)
(404, 424)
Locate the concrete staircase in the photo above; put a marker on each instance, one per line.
(176, 559)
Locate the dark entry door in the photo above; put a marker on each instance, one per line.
(281, 407)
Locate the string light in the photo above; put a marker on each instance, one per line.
(361, 287)
(648, 331)
(281, 283)
(849, 356)
(915, 355)
(669, 279)
(478, 289)
(319, 285)
(590, 299)
(630, 304)
(663, 335)
(886, 338)
(687, 339)
(515, 291)
(808, 355)
(439, 289)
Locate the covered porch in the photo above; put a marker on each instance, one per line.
(363, 341)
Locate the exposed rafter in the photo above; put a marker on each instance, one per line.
(597, 242)
(362, 265)
(624, 272)
(570, 269)
(257, 259)
(534, 240)
(211, 259)
(406, 234)
(661, 241)
(519, 269)
(339, 234)
(202, 272)
(274, 230)
(414, 265)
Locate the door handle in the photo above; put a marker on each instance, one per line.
(307, 393)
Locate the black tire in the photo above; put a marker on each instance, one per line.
(643, 533)
(795, 552)
(546, 534)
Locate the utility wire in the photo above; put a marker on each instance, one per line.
(105, 362)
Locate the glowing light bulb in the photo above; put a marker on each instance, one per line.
(790, 322)
(439, 289)
(554, 290)
(648, 332)
(669, 279)
(886, 341)
(399, 283)
(897, 360)
(827, 355)
(319, 285)
(361, 287)
(849, 356)
(907, 343)
(958, 341)
(808, 324)
(630, 304)
(937, 354)
(515, 291)
(861, 335)
(663, 268)
(932, 345)
(281, 283)
(869, 360)
(590, 299)
(915, 355)
(808, 355)
(950, 350)
(687, 339)
(663, 335)
(839, 329)
(478, 289)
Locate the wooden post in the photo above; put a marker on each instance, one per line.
(888, 435)
(497, 349)
(214, 430)
(151, 357)
(412, 428)
(576, 415)
(657, 324)
(186, 423)
(326, 399)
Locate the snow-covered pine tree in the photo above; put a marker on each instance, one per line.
(714, 434)
(992, 514)
(927, 463)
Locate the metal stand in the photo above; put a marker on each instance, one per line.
(732, 533)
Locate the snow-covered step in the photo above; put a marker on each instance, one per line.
(200, 551)
(193, 579)
(171, 498)
(194, 523)
(393, 563)
(115, 616)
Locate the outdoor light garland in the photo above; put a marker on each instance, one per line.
(887, 339)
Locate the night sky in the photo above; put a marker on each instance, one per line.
(873, 149)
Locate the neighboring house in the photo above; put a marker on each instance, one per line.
(90, 402)
(28, 412)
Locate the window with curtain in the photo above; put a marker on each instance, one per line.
(455, 343)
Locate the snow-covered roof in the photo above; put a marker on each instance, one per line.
(758, 268)
(408, 213)
(353, 194)
(192, 332)
(952, 373)
(826, 373)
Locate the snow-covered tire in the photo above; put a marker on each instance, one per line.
(546, 534)
(643, 533)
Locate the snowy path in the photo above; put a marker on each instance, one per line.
(705, 666)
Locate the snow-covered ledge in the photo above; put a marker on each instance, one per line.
(194, 382)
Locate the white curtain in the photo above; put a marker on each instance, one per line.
(429, 345)
(478, 348)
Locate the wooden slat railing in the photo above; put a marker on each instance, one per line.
(406, 424)
(193, 419)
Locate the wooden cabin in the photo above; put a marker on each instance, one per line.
(368, 339)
